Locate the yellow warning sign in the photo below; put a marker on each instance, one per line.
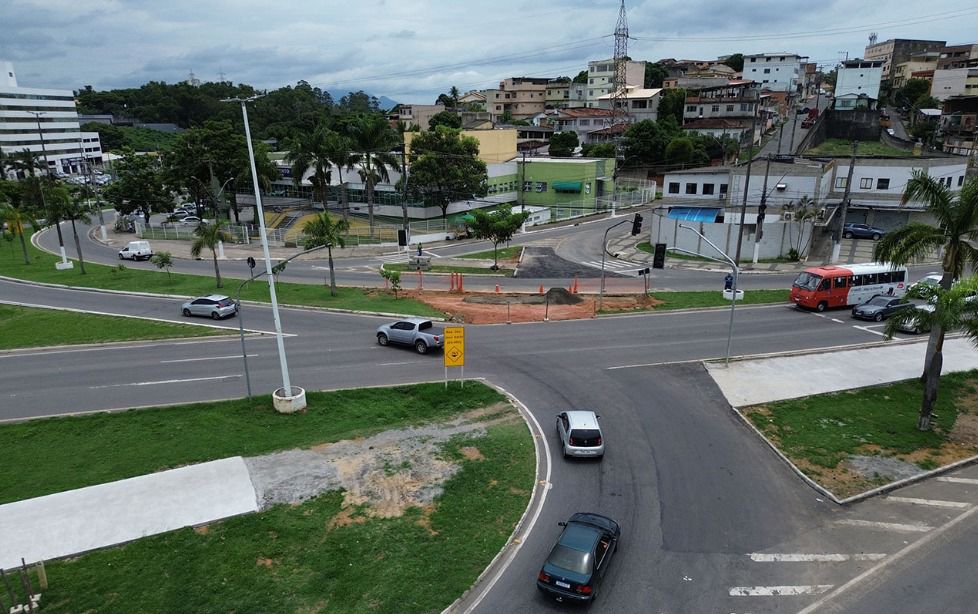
(455, 346)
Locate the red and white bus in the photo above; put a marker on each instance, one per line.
(823, 287)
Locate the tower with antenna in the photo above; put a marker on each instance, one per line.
(619, 99)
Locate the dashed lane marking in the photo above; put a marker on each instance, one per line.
(760, 557)
(958, 480)
(930, 502)
(166, 381)
(164, 362)
(887, 526)
(779, 591)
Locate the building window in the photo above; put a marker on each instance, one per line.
(723, 188)
(708, 188)
(866, 183)
(674, 187)
(541, 186)
(715, 108)
(691, 108)
(840, 182)
(527, 186)
(691, 188)
(640, 104)
(767, 71)
(744, 107)
(882, 184)
(584, 122)
(947, 182)
(960, 180)
(730, 108)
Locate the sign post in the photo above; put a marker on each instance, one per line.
(455, 351)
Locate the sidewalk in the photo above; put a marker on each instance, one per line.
(627, 249)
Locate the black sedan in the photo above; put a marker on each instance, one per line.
(580, 557)
(879, 308)
(862, 231)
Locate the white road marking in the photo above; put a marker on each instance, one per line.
(837, 320)
(779, 591)
(391, 364)
(930, 502)
(759, 557)
(869, 330)
(958, 480)
(887, 526)
(166, 381)
(163, 362)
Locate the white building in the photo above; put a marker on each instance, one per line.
(601, 78)
(45, 122)
(640, 103)
(859, 77)
(778, 72)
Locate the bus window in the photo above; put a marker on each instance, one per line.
(899, 276)
(807, 281)
(869, 279)
(884, 278)
(857, 280)
(825, 285)
(840, 282)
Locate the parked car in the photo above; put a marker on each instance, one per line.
(808, 123)
(178, 215)
(417, 332)
(862, 231)
(914, 324)
(214, 306)
(580, 558)
(580, 434)
(930, 279)
(136, 250)
(803, 111)
(192, 220)
(879, 308)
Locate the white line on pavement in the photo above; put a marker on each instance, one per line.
(930, 502)
(837, 320)
(163, 362)
(777, 591)
(958, 480)
(391, 364)
(888, 526)
(166, 381)
(869, 330)
(759, 557)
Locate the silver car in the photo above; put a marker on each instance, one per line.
(215, 306)
(580, 434)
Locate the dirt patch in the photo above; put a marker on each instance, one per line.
(380, 476)
(263, 562)
(965, 431)
(498, 308)
(202, 529)
(346, 518)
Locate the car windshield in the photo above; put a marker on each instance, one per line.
(225, 302)
(880, 301)
(807, 281)
(570, 559)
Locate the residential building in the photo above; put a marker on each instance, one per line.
(957, 56)
(44, 121)
(495, 146)
(583, 121)
(858, 84)
(417, 114)
(517, 97)
(639, 103)
(956, 73)
(778, 72)
(920, 66)
(695, 82)
(957, 126)
(898, 50)
(601, 78)
(725, 110)
(562, 94)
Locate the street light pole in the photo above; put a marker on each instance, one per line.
(286, 399)
(844, 209)
(733, 287)
(750, 158)
(604, 249)
(64, 264)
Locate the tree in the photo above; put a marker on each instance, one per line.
(672, 104)
(140, 185)
(655, 73)
(950, 309)
(17, 219)
(339, 150)
(209, 235)
(373, 138)
(323, 231)
(735, 61)
(26, 162)
(163, 260)
(445, 167)
(645, 141)
(598, 150)
(497, 226)
(455, 94)
(581, 77)
(563, 144)
(445, 118)
(309, 150)
(71, 206)
(393, 278)
(956, 229)
(110, 137)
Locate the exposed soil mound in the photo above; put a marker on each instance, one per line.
(556, 296)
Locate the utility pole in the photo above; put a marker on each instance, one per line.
(64, 264)
(750, 158)
(794, 128)
(841, 224)
(404, 194)
(760, 211)
(523, 183)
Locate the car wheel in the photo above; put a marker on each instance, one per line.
(120, 257)
(186, 313)
(382, 339)
(821, 307)
(878, 317)
(215, 315)
(876, 237)
(421, 347)
(847, 235)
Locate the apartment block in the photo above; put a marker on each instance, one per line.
(858, 84)
(601, 78)
(778, 72)
(919, 66)
(898, 50)
(520, 97)
(956, 73)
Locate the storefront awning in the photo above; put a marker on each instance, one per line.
(567, 186)
(694, 214)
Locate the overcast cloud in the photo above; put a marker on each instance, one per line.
(411, 50)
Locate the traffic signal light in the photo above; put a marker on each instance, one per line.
(659, 257)
(636, 225)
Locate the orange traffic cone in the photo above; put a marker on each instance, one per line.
(497, 288)
(541, 288)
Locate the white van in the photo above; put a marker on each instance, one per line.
(136, 250)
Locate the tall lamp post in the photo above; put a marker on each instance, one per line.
(65, 263)
(286, 399)
(733, 288)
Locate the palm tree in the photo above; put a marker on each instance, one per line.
(64, 205)
(5, 162)
(323, 231)
(310, 150)
(339, 150)
(373, 139)
(209, 235)
(27, 162)
(17, 219)
(957, 228)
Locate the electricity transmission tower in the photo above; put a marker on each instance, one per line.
(619, 99)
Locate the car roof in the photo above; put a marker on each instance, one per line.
(579, 536)
(215, 297)
(415, 320)
(582, 419)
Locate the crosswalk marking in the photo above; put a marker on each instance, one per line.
(760, 557)
(958, 480)
(611, 264)
(930, 502)
(888, 526)
(775, 591)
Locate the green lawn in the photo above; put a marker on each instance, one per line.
(714, 298)
(843, 147)
(25, 327)
(313, 557)
(96, 448)
(121, 277)
(504, 253)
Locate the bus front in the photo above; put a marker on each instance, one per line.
(805, 288)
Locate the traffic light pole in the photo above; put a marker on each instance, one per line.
(636, 228)
(733, 288)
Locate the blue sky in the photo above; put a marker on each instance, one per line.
(411, 50)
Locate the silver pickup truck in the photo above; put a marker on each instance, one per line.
(418, 332)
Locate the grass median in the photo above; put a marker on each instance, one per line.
(323, 555)
(714, 298)
(855, 440)
(129, 279)
(28, 327)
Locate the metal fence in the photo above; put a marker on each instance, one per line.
(181, 232)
